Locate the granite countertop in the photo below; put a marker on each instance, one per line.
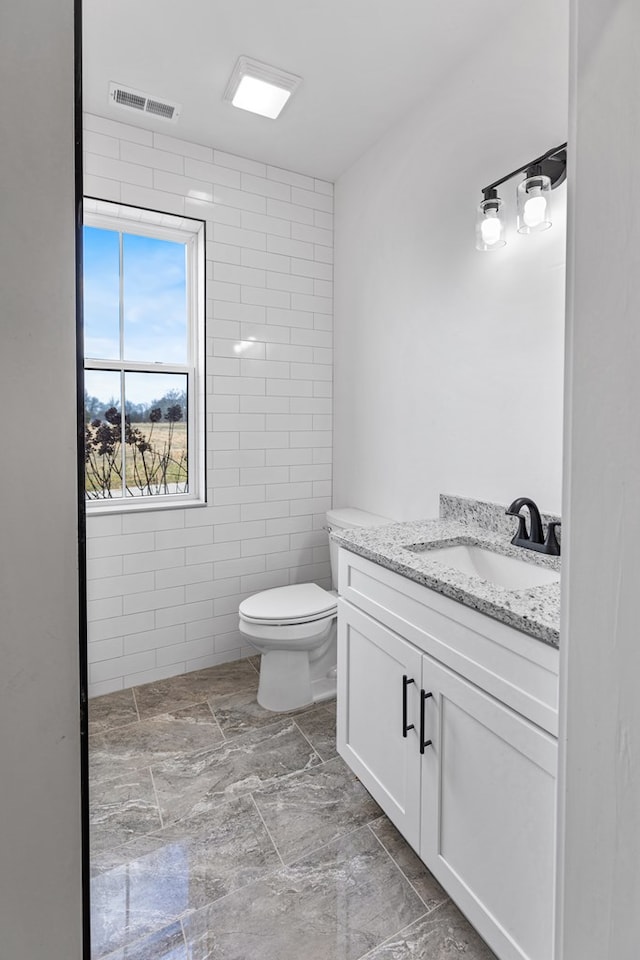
(535, 610)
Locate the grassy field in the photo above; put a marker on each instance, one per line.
(166, 462)
(160, 436)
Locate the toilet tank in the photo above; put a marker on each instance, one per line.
(346, 518)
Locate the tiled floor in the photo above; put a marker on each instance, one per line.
(223, 832)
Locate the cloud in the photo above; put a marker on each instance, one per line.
(155, 319)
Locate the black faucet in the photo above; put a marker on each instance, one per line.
(534, 539)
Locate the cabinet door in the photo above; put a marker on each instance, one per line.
(488, 814)
(372, 692)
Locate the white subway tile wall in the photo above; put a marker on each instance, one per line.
(164, 586)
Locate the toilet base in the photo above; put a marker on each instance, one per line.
(290, 679)
(323, 689)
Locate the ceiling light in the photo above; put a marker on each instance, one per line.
(533, 196)
(259, 88)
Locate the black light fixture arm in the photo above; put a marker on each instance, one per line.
(553, 163)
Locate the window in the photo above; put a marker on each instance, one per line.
(144, 357)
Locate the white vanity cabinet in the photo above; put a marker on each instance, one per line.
(477, 803)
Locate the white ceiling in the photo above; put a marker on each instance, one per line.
(364, 63)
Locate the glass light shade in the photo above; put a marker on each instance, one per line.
(261, 97)
(490, 225)
(534, 204)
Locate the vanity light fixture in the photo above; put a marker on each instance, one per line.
(259, 88)
(533, 199)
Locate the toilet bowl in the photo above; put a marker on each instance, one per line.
(294, 630)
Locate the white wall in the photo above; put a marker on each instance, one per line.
(164, 587)
(600, 652)
(40, 888)
(448, 374)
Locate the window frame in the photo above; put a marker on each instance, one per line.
(126, 219)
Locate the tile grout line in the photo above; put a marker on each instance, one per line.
(157, 832)
(132, 768)
(118, 952)
(401, 871)
(277, 870)
(155, 793)
(343, 836)
(225, 743)
(247, 887)
(386, 940)
(303, 734)
(172, 707)
(285, 866)
(253, 665)
(217, 722)
(275, 845)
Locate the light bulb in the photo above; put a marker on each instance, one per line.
(534, 204)
(535, 211)
(490, 225)
(491, 230)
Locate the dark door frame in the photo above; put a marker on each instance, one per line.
(82, 537)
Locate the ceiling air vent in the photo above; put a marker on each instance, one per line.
(142, 102)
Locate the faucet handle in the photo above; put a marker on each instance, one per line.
(551, 545)
(522, 533)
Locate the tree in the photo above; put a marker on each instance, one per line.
(92, 406)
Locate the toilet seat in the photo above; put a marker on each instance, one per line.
(299, 603)
(290, 636)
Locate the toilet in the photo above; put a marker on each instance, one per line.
(294, 628)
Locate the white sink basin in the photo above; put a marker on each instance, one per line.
(507, 572)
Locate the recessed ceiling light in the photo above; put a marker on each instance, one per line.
(259, 88)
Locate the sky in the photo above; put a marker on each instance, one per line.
(154, 314)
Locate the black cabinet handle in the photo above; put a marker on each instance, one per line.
(405, 726)
(423, 743)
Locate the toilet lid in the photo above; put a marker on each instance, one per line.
(300, 601)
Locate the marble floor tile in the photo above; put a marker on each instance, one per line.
(139, 744)
(112, 710)
(240, 712)
(176, 692)
(193, 784)
(407, 859)
(228, 848)
(251, 842)
(334, 905)
(442, 935)
(167, 944)
(319, 727)
(150, 881)
(131, 902)
(314, 808)
(121, 809)
(110, 858)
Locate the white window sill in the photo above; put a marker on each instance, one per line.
(99, 508)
